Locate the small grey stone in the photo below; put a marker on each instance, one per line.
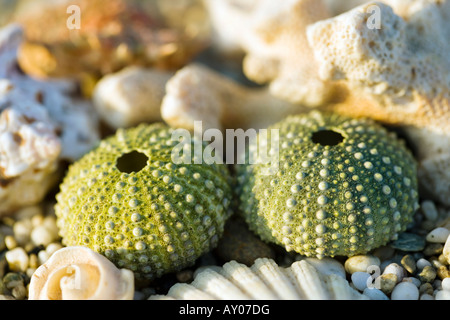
(429, 210)
(405, 291)
(422, 263)
(375, 294)
(359, 280)
(426, 296)
(409, 242)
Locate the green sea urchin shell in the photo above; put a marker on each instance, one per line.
(127, 200)
(343, 187)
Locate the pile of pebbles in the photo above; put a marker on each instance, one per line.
(413, 267)
(27, 240)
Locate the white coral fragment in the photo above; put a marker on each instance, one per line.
(264, 280)
(273, 36)
(79, 273)
(41, 123)
(397, 72)
(197, 93)
(130, 96)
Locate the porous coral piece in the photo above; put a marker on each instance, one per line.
(130, 96)
(40, 124)
(79, 273)
(394, 68)
(273, 37)
(75, 118)
(29, 149)
(336, 7)
(105, 41)
(197, 93)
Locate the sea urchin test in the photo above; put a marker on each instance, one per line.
(344, 186)
(128, 201)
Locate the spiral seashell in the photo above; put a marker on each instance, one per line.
(79, 273)
(264, 280)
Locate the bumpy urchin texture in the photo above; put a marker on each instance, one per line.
(343, 186)
(128, 200)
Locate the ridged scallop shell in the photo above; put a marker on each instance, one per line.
(264, 280)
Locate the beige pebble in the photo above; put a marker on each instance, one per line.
(42, 235)
(28, 212)
(22, 230)
(53, 247)
(438, 235)
(43, 256)
(17, 259)
(10, 242)
(361, 263)
(388, 282)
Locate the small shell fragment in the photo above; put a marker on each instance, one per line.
(264, 280)
(79, 273)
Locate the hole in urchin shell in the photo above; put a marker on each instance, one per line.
(327, 137)
(133, 161)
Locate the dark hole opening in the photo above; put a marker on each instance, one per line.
(327, 137)
(133, 161)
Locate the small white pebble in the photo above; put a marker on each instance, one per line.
(17, 259)
(422, 263)
(405, 291)
(43, 256)
(22, 230)
(438, 235)
(41, 235)
(396, 269)
(359, 280)
(445, 284)
(53, 247)
(361, 263)
(442, 295)
(429, 210)
(375, 294)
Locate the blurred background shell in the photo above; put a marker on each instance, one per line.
(160, 34)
